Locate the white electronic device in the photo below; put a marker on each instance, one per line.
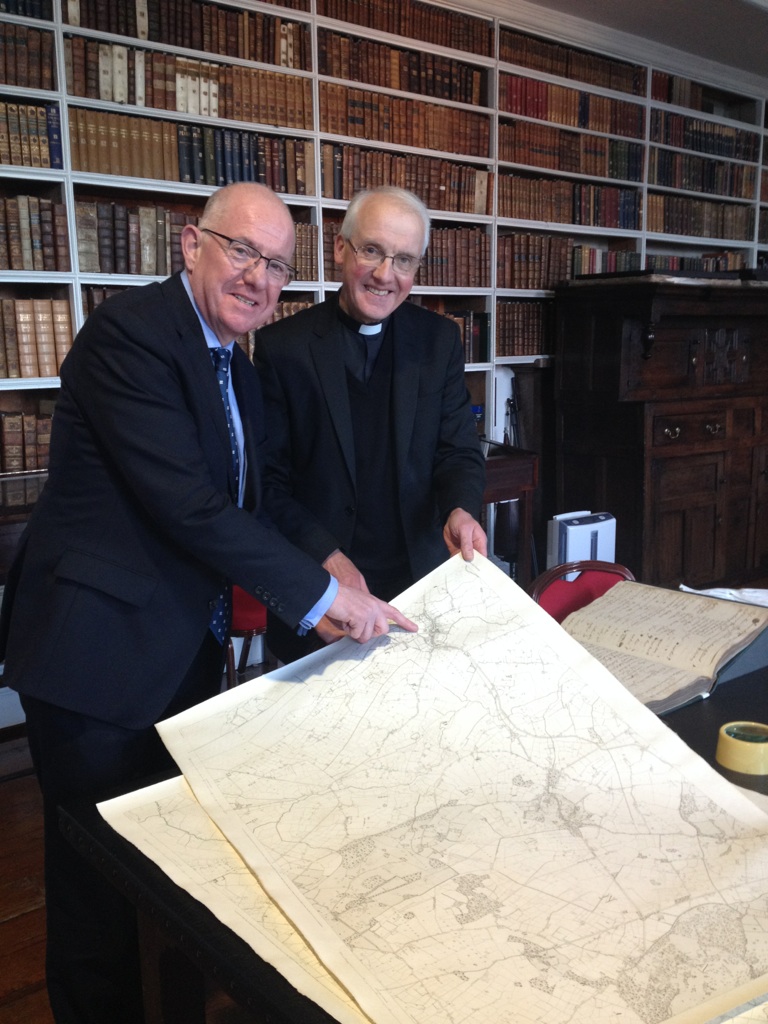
(575, 536)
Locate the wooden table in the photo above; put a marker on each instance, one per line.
(182, 941)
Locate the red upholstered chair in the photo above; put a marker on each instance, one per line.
(560, 596)
(249, 619)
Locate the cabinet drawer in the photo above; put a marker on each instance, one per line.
(691, 428)
(689, 481)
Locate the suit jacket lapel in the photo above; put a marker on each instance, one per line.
(201, 376)
(328, 356)
(405, 383)
(249, 403)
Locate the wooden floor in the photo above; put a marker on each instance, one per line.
(23, 998)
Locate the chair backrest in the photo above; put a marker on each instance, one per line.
(560, 596)
(248, 614)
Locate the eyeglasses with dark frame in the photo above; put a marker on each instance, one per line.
(244, 257)
(370, 255)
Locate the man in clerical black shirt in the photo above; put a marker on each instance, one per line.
(374, 467)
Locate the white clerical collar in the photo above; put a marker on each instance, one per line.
(369, 328)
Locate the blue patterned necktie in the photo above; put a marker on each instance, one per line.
(222, 611)
(221, 357)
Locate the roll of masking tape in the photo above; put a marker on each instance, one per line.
(743, 747)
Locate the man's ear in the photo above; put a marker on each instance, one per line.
(338, 250)
(191, 241)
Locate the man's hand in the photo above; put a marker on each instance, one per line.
(327, 632)
(345, 571)
(463, 533)
(362, 616)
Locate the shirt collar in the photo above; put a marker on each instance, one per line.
(210, 338)
(357, 327)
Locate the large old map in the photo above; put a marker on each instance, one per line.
(472, 824)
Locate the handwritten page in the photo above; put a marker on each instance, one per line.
(694, 633)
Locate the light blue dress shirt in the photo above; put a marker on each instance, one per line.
(316, 613)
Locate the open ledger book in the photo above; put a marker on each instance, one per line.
(665, 646)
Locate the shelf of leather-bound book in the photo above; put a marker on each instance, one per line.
(430, 72)
(30, 130)
(404, 120)
(131, 231)
(401, 66)
(201, 19)
(569, 105)
(446, 183)
(537, 54)
(469, 311)
(162, 144)
(680, 91)
(666, 255)
(558, 148)
(162, 76)
(416, 22)
(704, 134)
(543, 199)
(34, 240)
(523, 327)
(712, 177)
(534, 257)
(137, 232)
(696, 227)
(36, 329)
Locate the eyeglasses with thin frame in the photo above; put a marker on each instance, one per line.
(370, 255)
(244, 257)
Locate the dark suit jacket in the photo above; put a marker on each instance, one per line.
(310, 475)
(110, 596)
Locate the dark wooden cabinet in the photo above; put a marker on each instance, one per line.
(662, 420)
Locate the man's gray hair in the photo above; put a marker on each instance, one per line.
(399, 197)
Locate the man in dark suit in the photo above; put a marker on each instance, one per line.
(374, 465)
(150, 512)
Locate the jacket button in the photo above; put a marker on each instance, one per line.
(350, 510)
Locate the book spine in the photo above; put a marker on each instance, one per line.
(25, 335)
(3, 361)
(11, 338)
(105, 238)
(12, 442)
(36, 233)
(61, 237)
(184, 141)
(160, 242)
(5, 147)
(13, 231)
(53, 129)
(25, 235)
(44, 337)
(62, 329)
(14, 133)
(134, 248)
(43, 424)
(147, 240)
(86, 222)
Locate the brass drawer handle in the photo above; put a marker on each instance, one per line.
(713, 429)
(672, 434)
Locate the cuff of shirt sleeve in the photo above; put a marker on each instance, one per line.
(316, 613)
